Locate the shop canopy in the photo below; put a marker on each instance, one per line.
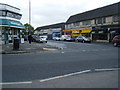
(11, 23)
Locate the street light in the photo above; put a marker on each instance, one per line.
(109, 34)
(29, 12)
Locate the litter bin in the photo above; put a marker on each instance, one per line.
(16, 44)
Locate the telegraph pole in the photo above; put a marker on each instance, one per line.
(29, 12)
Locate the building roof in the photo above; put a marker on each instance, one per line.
(99, 12)
(9, 6)
(58, 25)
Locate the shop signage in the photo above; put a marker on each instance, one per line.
(76, 31)
(100, 32)
(93, 32)
(15, 23)
(113, 32)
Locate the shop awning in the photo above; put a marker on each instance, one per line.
(11, 23)
(86, 30)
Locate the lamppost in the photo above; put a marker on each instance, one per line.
(26, 31)
(29, 12)
(109, 35)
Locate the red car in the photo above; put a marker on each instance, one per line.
(116, 40)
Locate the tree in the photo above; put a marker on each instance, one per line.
(28, 29)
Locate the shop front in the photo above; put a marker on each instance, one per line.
(86, 32)
(76, 33)
(10, 29)
(67, 32)
(80, 32)
(105, 33)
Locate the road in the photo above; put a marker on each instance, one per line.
(73, 58)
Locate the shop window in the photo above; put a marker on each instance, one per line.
(99, 37)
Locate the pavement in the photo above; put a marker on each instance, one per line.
(104, 79)
(27, 48)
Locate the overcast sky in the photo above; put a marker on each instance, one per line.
(47, 12)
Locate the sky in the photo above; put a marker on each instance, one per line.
(47, 12)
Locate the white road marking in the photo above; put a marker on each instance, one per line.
(108, 69)
(58, 77)
(71, 74)
(83, 50)
(29, 82)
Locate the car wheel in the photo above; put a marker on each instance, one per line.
(115, 44)
(83, 41)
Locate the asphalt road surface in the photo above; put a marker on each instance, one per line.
(73, 58)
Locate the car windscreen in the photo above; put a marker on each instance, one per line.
(117, 37)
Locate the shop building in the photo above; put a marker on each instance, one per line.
(10, 25)
(98, 24)
(51, 30)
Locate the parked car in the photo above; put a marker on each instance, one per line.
(34, 38)
(70, 38)
(116, 40)
(57, 38)
(41, 39)
(82, 39)
(65, 37)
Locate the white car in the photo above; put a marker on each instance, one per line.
(65, 37)
(42, 39)
(57, 38)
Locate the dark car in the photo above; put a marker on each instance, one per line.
(34, 37)
(116, 40)
(82, 39)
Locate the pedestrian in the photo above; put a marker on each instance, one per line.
(29, 39)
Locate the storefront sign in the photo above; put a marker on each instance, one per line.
(113, 32)
(76, 31)
(100, 32)
(93, 32)
(86, 30)
(15, 23)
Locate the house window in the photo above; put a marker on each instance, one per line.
(87, 22)
(92, 22)
(13, 15)
(2, 13)
(115, 18)
(109, 19)
(77, 24)
(99, 21)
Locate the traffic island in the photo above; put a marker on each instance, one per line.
(28, 48)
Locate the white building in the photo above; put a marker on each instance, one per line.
(10, 24)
